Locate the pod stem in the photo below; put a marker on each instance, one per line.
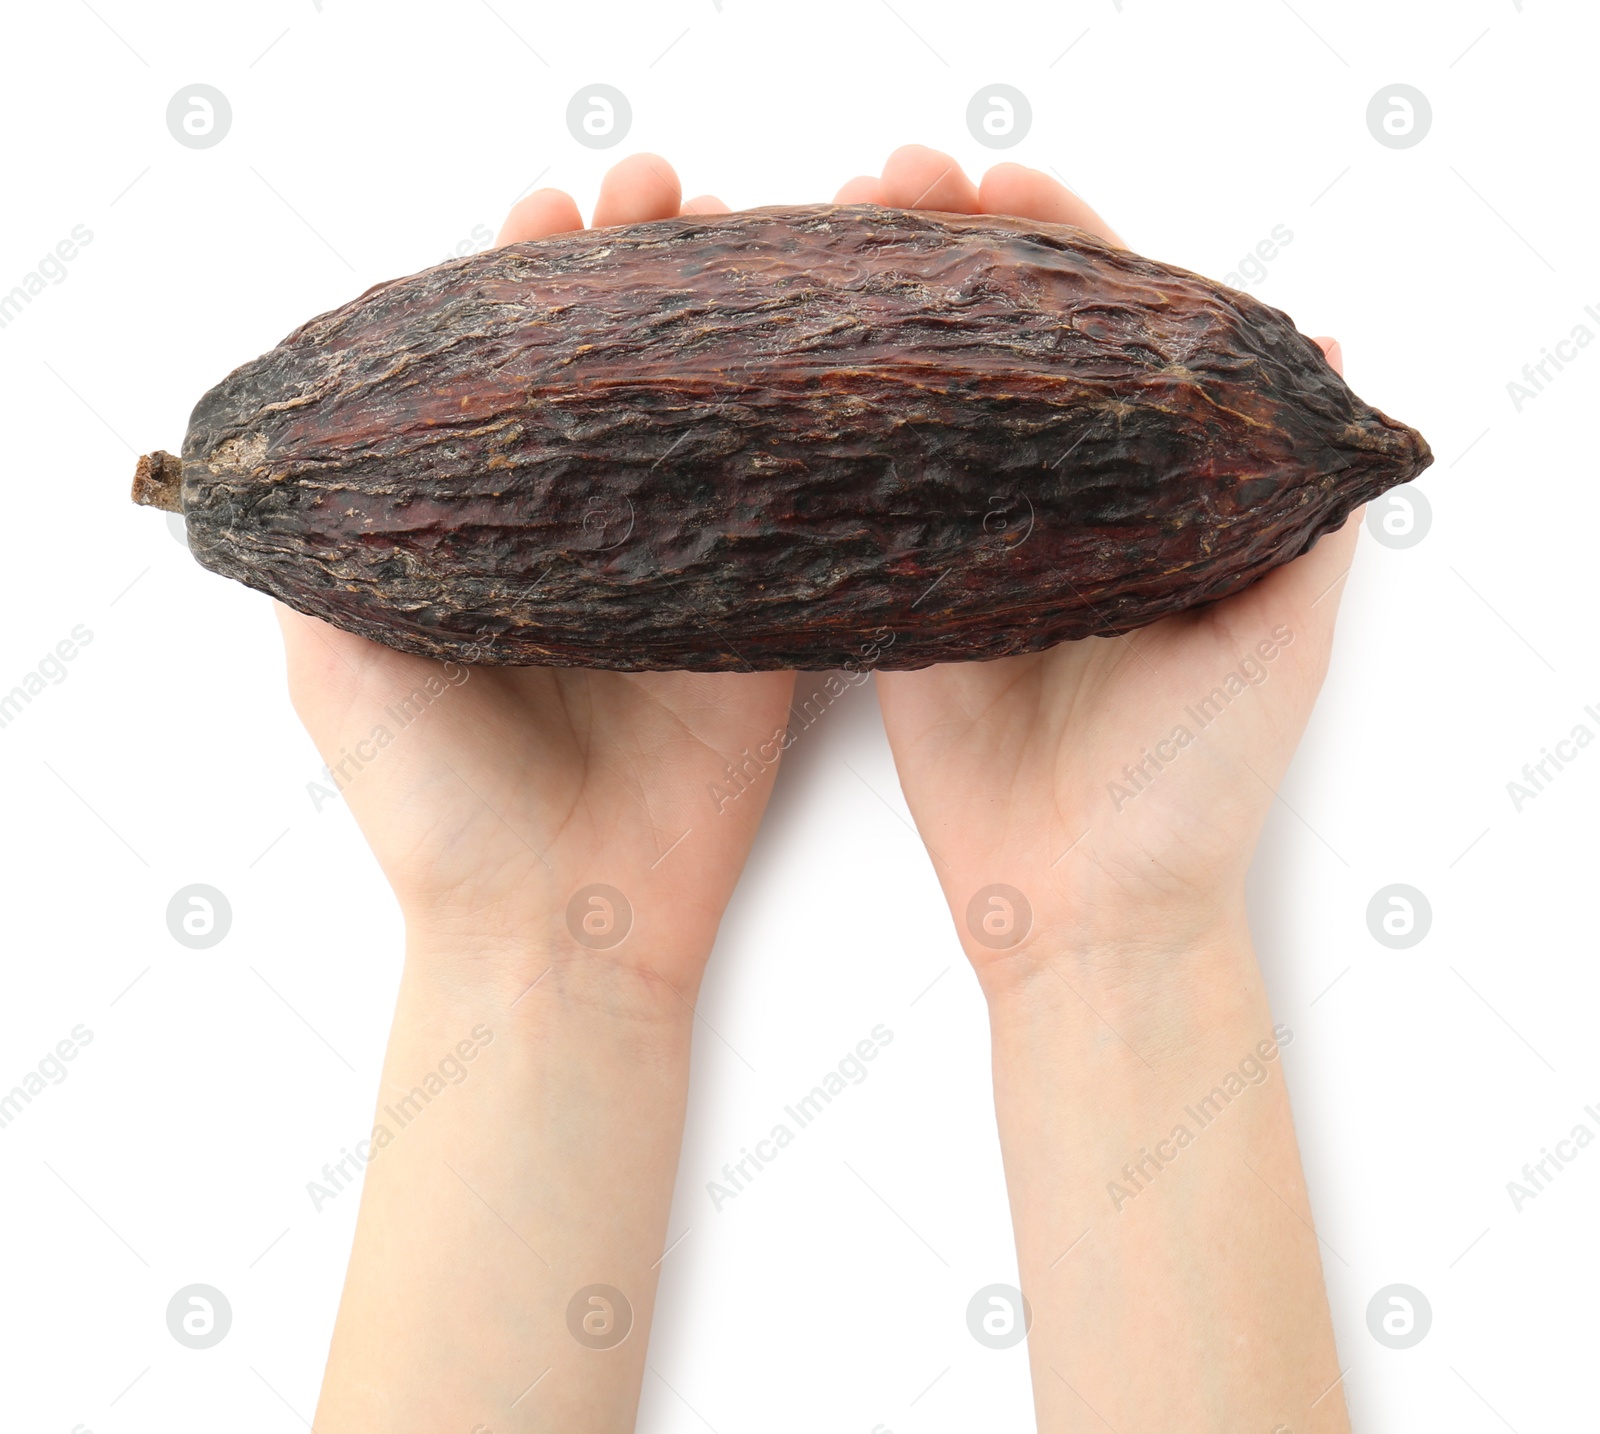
(158, 481)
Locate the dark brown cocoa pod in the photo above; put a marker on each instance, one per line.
(803, 436)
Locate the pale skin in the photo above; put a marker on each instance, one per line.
(547, 1165)
(550, 1166)
(1197, 1303)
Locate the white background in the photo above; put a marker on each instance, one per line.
(368, 140)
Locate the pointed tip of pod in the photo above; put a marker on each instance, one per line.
(1414, 452)
(158, 481)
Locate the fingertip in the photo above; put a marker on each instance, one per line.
(916, 177)
(1333, 351)
(704, 204)
(539, 215)
(1010, 188)
(297, 626)
(1343, 538)
(863, 189)
(311, 656)
(637, 189)
(1008, 171)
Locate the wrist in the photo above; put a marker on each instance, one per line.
(540, 969)
(1190, 956)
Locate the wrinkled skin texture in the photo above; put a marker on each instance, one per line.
(802, 436)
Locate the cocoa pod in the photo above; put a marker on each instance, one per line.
(797, 436)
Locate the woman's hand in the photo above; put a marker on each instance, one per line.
(1119, 784)
(497, 794)
(514, 1214)
(1091, 811)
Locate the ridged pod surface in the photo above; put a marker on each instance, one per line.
(799, 436)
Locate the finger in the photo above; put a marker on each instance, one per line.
(863, 189)
(704, 204)
(542, 213)
(638, 188)
(916, 177)
(1032, 194)
(327, 668)
(1334, 354)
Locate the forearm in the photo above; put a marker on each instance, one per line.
(1163, 1232)
(494, 1196)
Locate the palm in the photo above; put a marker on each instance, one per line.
(517, 787)
(1015, 770)
(1011, 768)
